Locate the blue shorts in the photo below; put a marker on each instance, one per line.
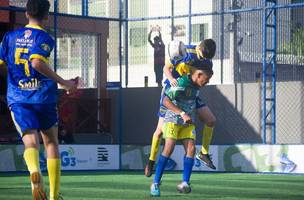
(33, 116)
(163, 109)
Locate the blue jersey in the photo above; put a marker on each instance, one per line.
(25, 84)
(191, 59)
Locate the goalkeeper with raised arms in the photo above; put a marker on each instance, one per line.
(196, 56)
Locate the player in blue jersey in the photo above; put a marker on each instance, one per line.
(32, 94)
(196, 56)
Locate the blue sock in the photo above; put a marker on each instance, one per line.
(161, 164)
(188, 164)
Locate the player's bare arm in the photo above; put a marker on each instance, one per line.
(168, 73)
(3, 69)
(171, 106)
(43, 68)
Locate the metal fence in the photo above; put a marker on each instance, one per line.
(235, 25)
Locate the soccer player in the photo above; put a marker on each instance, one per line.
(32, 95)
(196, 56)
(178, 124)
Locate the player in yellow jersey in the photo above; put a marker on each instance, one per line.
(196, 56)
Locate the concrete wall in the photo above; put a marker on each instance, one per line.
(237, 108)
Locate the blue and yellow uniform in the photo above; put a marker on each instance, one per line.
(182, 67)
(31, 96)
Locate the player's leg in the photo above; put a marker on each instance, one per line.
(170, 134)
(209, 119)
(184, 186)
(161, 164)
(158, 69)
(157, 136)
(31, 157)
(49, 131)
(25, 121)
(188, 135)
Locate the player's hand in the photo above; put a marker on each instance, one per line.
(173, 82)
(187, 119)
(70, 85)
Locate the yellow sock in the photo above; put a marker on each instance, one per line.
(207, 136)
(154, 147)
(54, 170)
(31, 157)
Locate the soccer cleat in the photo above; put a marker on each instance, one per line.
(205, 159)
(149, 168)
(154, 190)
(60, 197)
(184, 187)
(38, 192)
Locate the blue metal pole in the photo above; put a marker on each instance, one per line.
(189, 23)
(119, 110)
(85, 8)
(55, 33)
(264, 73)
(274, 69)
(172, 19)
(222, 42)
(126, 43)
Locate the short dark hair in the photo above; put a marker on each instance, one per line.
(37, 9)
(208, 48)
(206, 70)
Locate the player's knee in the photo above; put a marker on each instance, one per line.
(158, 133)
(167, 150)
(211, 121)
(192, 148)
(51, 142)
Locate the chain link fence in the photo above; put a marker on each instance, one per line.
(235, 91)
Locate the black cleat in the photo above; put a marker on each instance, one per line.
(205, 159)
(60, 197)
(149, 168)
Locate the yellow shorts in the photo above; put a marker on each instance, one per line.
(178, 132)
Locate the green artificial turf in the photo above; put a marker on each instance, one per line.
(133, 185)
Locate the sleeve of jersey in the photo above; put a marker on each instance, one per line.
(182, 69)
(3, 51)
(43, 48)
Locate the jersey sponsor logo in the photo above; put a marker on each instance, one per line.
(32, 84)
(27, 34)
(24, 42)
(45, 47)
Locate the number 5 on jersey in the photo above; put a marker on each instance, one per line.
(20, 61)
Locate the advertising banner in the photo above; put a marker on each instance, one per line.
(228, 158)
(73, 157)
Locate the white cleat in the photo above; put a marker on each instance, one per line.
(184, 187)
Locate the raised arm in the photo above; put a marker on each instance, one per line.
(149, 39)
(160, 38)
